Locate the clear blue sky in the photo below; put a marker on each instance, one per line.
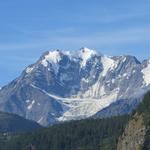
(30, 27)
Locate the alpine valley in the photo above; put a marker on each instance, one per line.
(73, 85)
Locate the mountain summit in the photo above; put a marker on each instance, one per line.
(68, 85)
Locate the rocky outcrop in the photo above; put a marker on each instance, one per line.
(134, 135)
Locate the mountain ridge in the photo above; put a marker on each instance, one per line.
(76, 85)
(12, 124)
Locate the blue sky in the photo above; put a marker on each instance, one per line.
(30, 27)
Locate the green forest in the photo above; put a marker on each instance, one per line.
(90, 134)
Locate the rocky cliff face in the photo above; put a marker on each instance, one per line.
(134, 135)
(67, 85)
(137, 132)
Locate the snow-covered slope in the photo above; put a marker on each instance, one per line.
(66, 85)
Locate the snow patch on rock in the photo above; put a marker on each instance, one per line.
(40, 120)
(82, 107)
(31, 105)
(88, 108)
(29, 69)
(85, 54)
(146, 74)
(108, 63)
(53, 57)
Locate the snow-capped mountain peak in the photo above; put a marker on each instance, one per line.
(85, 54)
(53, 57)
(146, 73)
(66, 85)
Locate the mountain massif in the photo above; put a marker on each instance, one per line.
(67, 85)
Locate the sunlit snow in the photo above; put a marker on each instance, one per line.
(146, 74)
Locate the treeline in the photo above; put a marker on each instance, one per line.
(90, 134)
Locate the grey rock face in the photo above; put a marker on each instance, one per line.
(73, 85)
(134, 135)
